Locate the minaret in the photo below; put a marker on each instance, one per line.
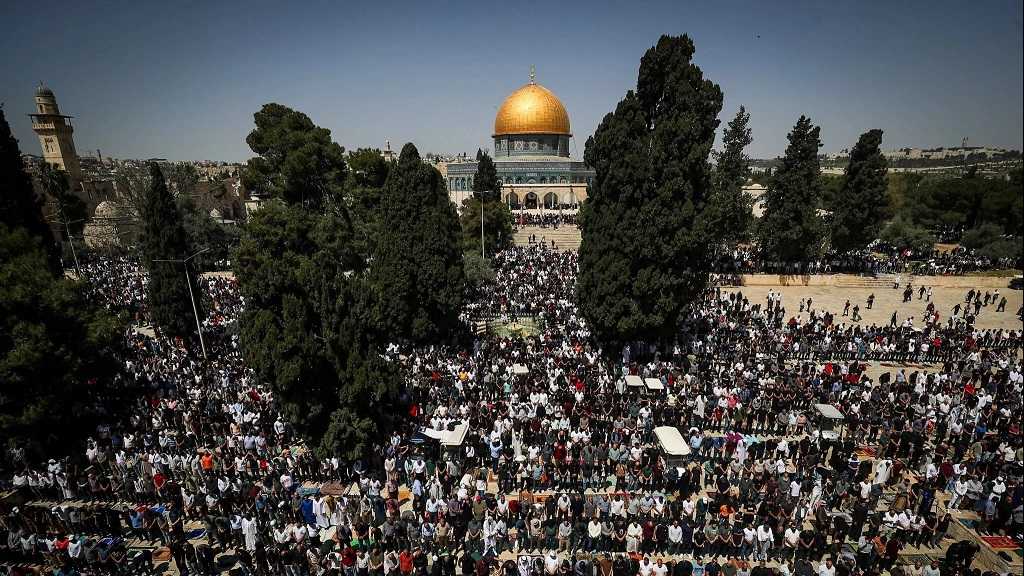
(55, 136)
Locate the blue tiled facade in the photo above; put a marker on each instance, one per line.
(526, 159)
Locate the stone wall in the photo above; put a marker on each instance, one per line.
(965, 282)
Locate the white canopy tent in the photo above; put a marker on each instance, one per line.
(654, 384)
(828, 420)
(454, 438)
(671, 441)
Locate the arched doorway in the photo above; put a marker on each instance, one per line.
(512, 199)
(550, 200)
(531, 201)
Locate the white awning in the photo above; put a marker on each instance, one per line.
(654, 384)
(671, 441)
(456, 436)
(520, 369)
(634, 381)
(829, 411)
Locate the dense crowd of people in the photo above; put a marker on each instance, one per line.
(549, 219)
(533, 455)
(955, 262)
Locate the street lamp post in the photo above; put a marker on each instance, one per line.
(71, 242)
(191, 295)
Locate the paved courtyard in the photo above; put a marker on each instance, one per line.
(833, 298)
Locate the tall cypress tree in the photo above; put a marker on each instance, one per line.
(497, 220)
(417, 269)
(728, 216)
(644, 255)
(163, 238)
(20, 207)
(790, 230)
(485, 183)
(862, 205)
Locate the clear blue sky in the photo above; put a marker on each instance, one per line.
(182, 81)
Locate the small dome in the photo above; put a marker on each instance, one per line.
(42, 90)
(532, 109)
(107, 209)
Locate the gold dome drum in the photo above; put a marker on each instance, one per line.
(532, 109)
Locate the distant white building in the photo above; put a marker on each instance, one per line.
(941, 153)
(756, 192)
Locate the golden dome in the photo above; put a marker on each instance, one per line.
(532, 109)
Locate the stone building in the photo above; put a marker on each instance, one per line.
(56, 138)
(531, 154)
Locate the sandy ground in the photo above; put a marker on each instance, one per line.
(833, 298)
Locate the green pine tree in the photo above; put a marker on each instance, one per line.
(644, 254)
(862, 205)
(728, 216)
(308, 328)
(497, 219)
(20, 207)
(791, 230)
(417, 268)
(163, 245)
(296, 160)
(58, 352)
(485, 182)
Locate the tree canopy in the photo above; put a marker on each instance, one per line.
(417, 269)
(368, 171)
(951, 206)
(296, 160)
(861, 207)
(368, 168)
(56, 349)
(485, 182)
(790, 230)
(20, 206)
(728, 216)
(308, 329)
(312, 327)
(497, 219)
(643, 256)
(164, 244)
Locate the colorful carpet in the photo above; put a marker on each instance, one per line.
(867, 451)
(1000, 542)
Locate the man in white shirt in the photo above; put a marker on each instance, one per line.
(792, 539)
(765, 538)
(826, 568)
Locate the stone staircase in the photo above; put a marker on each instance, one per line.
(564, 237)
